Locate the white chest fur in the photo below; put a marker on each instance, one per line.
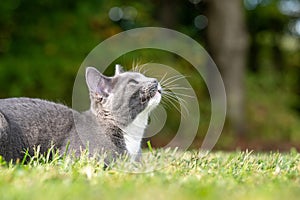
(135, 130)
(134, 133)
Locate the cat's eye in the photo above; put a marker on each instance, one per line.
(132, 81)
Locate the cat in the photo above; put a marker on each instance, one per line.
(114, 124)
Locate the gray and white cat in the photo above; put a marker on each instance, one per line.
(115, 123)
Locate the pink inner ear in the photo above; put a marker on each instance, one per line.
(104, 87)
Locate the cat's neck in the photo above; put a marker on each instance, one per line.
(103, 115)
(134, 132)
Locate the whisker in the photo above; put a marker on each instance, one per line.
(173, 85)
(162, 79)
(141, 68)
(176, 99)
(183, 110)
(135, 65)
(175, 79)
(179, 88)
(171, 77)
(169, 93)
(165, 103)
(172, 99)
(170, 96)
(183, 95)
(145, 71)
(175, 106)
(179, 100)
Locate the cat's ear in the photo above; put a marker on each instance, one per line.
(97, 83)
(118, 69)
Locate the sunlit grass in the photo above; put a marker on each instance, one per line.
(174, 175)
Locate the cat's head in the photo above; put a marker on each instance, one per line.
(124, 96)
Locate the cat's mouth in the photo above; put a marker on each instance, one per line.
(151, 92)
(159, 88)
(155, 89)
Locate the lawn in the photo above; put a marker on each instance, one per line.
(176, 175)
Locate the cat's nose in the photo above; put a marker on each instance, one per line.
(157, 85)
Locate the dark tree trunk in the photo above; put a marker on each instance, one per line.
(166, 12)
(228, 45)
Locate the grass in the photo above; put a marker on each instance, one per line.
(177, 175)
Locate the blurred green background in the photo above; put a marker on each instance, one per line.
(255, 44)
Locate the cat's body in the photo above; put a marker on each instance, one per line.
(115, 123)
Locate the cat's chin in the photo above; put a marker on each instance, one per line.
(154, 101)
